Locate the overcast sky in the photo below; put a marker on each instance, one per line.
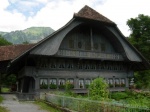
(21, 14)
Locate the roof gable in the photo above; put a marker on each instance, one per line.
(89, 13)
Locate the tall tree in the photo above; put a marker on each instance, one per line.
(140, 38)
(4, 42)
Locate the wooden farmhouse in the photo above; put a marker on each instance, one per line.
(87, 47)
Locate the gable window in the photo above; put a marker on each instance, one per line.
(87, 45)
(43, 84)
(103, 47)
(96, 46)
(71, 43)
(79, 45)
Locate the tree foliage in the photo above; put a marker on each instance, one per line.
(140, 34)
(4, 42)
(140, 38)
(98, 89)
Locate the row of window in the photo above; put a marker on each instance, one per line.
(82, 83)
(87, 45)
(87, 65)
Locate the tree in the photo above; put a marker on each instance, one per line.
(98, 89)
(140, 38)
(4, 42)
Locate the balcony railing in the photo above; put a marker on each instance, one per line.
(88, 54)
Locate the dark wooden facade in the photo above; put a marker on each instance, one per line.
(87, 47)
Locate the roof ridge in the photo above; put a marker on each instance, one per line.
(89, 13)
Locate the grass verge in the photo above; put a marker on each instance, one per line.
(2, 109)
(45, 106)
(5, 89)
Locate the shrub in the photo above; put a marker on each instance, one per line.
(53, 86)
(119, 95)
(61, 86)
(43, 86)
(98, 89)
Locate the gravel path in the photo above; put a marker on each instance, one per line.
(14, 105)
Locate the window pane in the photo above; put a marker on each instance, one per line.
(61, 81)
(43, 81)
(81, 83)
(52, 81)
(110, 81)
(71, 81)
(87, 81)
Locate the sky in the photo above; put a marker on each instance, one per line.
(21, 14)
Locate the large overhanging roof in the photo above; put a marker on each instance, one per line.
(53, 41)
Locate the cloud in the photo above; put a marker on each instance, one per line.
(20, 14)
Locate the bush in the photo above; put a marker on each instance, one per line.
(53, 86)
(98, 89)
(43, 86)
(61, 86)
(119, 95)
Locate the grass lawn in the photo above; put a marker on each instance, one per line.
(44, 106)
(5, 89)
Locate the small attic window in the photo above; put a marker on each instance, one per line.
(79, 45)
(96, 46)
(103, 47)
(71, 44)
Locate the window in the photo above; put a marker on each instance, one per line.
(61, 83)
(87, 83)
(71, 83)
(53, 84)
(43, 84)
(87, 46)
(110, 82)
(96, 46)
(52, 81)
(87, 66)
(71, 44)
(79, 45)
(117, 84)
(122, 83)
(81, 83)
(70, 64)
(103, 47)
(53, 64)
(61, 64)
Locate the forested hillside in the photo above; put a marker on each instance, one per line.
(30, 35)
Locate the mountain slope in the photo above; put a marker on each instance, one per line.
(31, 35)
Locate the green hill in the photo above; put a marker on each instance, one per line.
(31, 35)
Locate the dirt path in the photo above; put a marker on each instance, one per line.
(14, 105)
